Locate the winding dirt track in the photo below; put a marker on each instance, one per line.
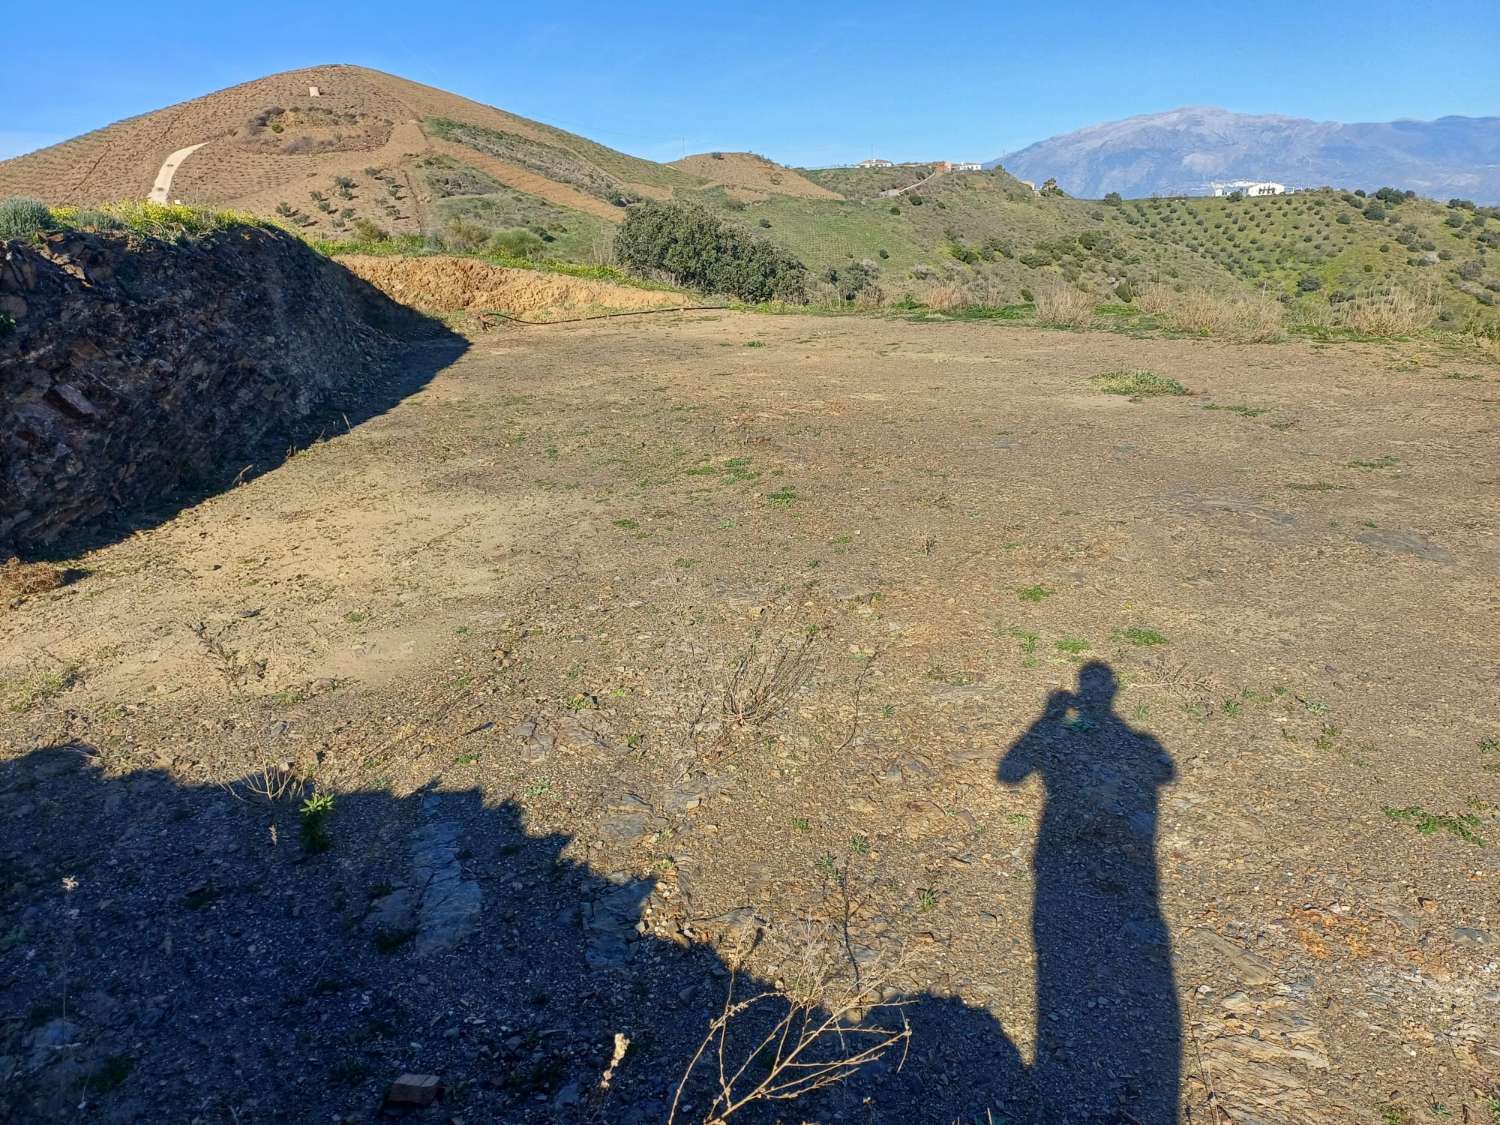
(169, 166)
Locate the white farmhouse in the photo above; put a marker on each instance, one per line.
(874, 162)
(1250, 187)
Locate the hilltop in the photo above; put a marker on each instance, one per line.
(326, 146)
(1184, 151)
(750, 177)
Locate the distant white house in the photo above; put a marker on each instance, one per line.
(967, 166)
(874, 162)
(1250, 187)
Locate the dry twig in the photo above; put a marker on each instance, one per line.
(819, 1039)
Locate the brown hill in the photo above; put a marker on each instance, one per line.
(750, 176)
(350, 135)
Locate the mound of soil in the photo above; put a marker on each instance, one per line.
(451, 284)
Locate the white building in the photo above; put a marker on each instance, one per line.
(967, 166)
(874, 162)
(1250, 187)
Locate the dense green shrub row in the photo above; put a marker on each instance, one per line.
(696, 249)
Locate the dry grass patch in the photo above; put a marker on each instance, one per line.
(1242, 319)
(22, 695)
(20, 580)
(944, 298)
(1064, 307)
(1390, 312)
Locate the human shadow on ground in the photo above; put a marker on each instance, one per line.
(1108, 1026)
(176, 952)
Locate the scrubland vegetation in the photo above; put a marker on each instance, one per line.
(669, 245)
(28, 218)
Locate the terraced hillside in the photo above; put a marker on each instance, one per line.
(325, 146)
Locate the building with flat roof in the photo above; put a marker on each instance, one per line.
(1250, 187)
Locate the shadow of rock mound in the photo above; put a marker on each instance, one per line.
(173, 952)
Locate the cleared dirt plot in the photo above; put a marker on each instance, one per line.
(1117, 716)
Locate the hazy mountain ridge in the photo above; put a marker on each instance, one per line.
(1183, 151)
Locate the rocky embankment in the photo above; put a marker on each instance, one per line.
(128, 364)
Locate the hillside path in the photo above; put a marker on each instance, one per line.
(169, 168)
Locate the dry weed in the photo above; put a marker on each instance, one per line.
(268, 784)
(20, 580)
(943, 298)
(759, 689)
(1064, 307)
(782, 1043)
(1244, 319)
(1389, 312)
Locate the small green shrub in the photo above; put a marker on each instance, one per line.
(315, 812)
(21, 217)
(849, 281)
(368, 231)
(517, 243)
(464, 236)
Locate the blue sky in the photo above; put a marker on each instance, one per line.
(805, 83)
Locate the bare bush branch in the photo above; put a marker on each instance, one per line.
(784, 1042)
(759, 690)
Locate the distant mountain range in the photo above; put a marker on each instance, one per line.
(1186, 151)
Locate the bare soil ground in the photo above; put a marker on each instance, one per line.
(1148, 748)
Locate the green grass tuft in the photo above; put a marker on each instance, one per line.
(1141, 637)
(1465, 826)
(1136, 384)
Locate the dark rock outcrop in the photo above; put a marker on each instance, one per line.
(129, 363)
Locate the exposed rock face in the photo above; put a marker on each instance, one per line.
(127, 362)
